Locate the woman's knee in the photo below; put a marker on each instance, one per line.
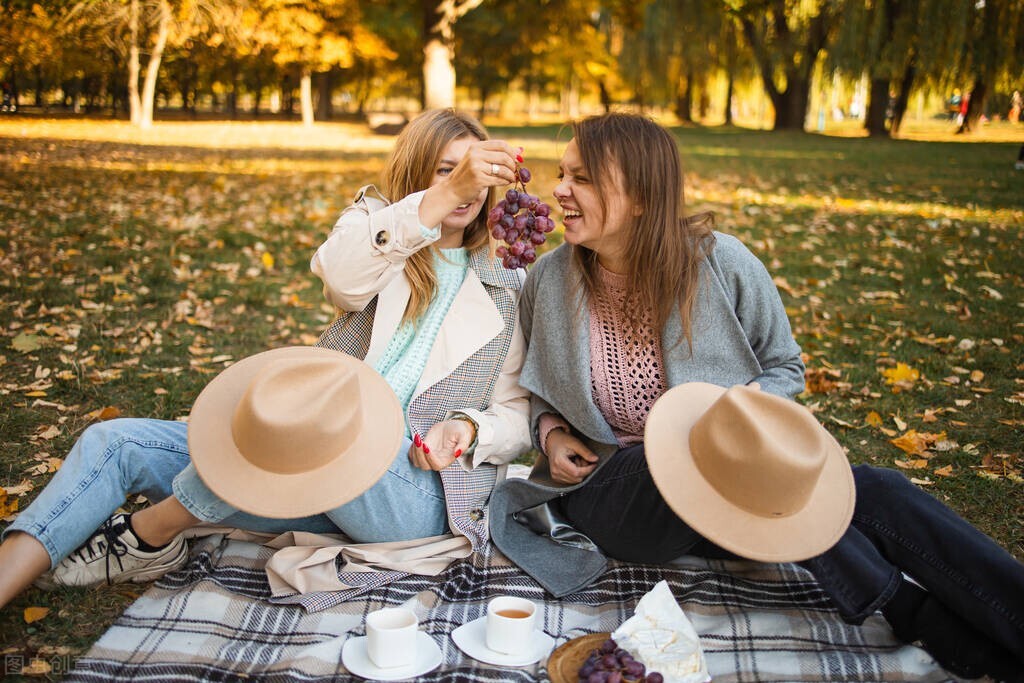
(879, 485)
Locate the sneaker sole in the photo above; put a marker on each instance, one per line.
(143, 575)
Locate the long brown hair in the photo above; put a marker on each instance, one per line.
(411, 168)
(664, 249)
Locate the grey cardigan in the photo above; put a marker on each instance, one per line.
(740, 335)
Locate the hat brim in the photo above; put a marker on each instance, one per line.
(251, 489)
(802, 535)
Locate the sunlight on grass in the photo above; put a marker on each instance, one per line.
(846, 205)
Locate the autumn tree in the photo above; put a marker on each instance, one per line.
(786, 38)
(993, 47)
(439, 18)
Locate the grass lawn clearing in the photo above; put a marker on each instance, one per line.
(136, 265)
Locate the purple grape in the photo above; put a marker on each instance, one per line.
(635, 669)
(520, 222)
(614, 677)
(608, 647)
(512, 209)
(542, 209)
(654, 677)
(537, 237)
(586, 670)
(512, 197)
(507, 221)
(524, 174)
(517, 248)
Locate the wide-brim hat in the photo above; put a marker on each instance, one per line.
(754, 473)
(295, 431)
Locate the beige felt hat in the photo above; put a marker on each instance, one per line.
(295, 431)
(752, 472)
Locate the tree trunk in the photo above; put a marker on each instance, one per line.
(878, 102)
(439, 17)
(606, 97)
(153, 67)
(728, 98)
(975, 106)
(903, 96)
(233, 93)
(438, 76)
(306, 96)
(791, 104)
(38, 73)
(134, 102)
(684, 100)
(325, 85)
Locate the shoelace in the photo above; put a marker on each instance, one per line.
(108, 541)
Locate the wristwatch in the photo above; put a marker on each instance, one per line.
(473, 423)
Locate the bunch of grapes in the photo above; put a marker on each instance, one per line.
(520, 220)
(611, 664)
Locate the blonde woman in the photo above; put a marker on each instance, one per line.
(421, 301)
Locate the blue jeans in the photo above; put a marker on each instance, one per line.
(896, 528)
(114, 459)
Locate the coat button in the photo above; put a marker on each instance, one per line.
(382, 238)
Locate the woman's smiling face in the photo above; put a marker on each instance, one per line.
(600, 227)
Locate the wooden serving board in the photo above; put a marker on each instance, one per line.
(565, 662)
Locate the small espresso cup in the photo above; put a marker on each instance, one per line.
(391, 637)
(510, 624)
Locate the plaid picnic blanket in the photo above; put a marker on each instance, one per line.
(211, 621)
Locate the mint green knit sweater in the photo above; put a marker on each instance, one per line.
(406, 354)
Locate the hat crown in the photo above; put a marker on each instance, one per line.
(298, 415)
(760, 452)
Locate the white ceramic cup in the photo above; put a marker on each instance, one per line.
(391, 635)
(510, 625)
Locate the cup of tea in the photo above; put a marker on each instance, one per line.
(391, 635)
(510, 624)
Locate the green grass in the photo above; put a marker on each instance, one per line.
(140, 265)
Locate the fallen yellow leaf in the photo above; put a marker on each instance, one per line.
(35, 613)
(268, 260)
(873, 419)
(911, 442)
(946, 471)
(36, 667)
(901, 373)
(7, 505)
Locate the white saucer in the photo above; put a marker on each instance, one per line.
(472, 639)
(355, 659)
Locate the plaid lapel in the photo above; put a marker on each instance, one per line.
(470, 385)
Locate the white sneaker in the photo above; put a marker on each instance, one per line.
(112, 555)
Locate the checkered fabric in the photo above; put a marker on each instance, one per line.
(757, 622)
(470, 385)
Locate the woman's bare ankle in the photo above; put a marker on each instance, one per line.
(159, 524)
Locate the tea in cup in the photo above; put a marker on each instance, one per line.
(510, 624)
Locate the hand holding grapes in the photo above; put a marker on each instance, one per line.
(485, 164)
(521, 220)
(569, 460)
(488, 163)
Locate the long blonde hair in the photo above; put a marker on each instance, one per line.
(664, 249)
(411, 168)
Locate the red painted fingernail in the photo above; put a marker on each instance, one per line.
(519, 158)
(416, 440)
(426, 449)
(458, 453)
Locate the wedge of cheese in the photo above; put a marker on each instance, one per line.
(659, 635)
